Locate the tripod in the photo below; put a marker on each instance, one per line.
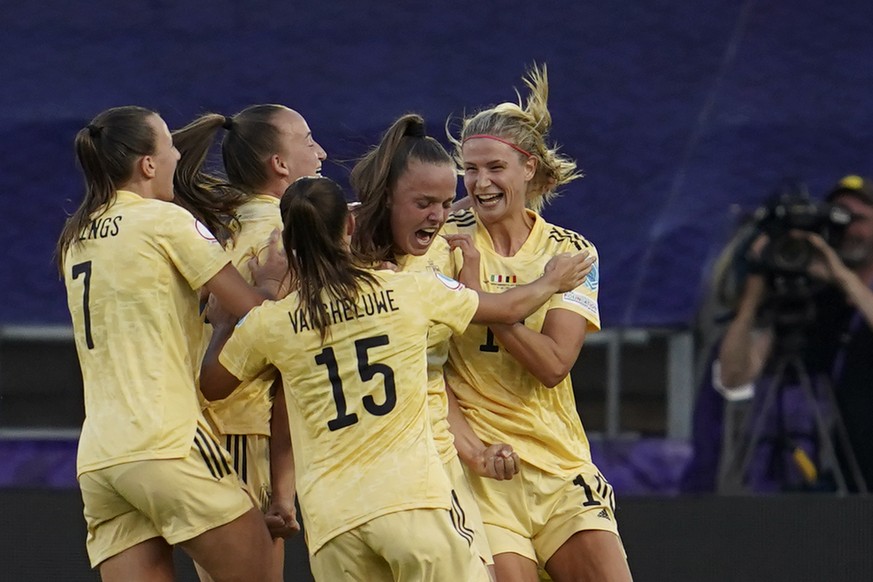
(738, 449)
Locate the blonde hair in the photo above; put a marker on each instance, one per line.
(527, 126)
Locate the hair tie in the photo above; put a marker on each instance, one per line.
(416, 129)
(495, 138)
(228, 123)
(94, 130)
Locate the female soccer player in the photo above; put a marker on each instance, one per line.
(150, 471)
(375, 499)
(406, 186)
(264, 149)
(512, 381)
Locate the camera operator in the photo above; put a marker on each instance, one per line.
(838, 340)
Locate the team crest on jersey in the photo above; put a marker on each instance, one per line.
(503, 278)
(204, 232)
(592, 280)
(448, 281)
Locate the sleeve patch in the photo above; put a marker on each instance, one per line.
(203, 231)
(592, 280)
(582, 301)
(449, 282)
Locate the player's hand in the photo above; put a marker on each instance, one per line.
(389, 266)
(569, 271)
(281, 519)
(465, 243)
(270, 269)
(828, 265)
(498, 462)
(217, 315)
(469, 274)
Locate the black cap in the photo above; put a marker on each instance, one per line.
(852, 185)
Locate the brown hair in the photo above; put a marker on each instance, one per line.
(106, 150)
(251, 138)
(374, 177)
(314, 212)
(210, 198)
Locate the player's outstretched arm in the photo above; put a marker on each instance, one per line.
(563, 273)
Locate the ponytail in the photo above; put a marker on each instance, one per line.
(315, 213)
(375, 176)
(210, 198)
(106, 150)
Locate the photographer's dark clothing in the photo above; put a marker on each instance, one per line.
(840, 346)
(837, 344)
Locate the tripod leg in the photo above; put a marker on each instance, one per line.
(754, 436)
(825, 440)
(730, 446)
(836, 421)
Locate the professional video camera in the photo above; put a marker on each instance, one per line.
(786, 259)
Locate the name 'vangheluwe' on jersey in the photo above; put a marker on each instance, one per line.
(368, 304)
(101, 228)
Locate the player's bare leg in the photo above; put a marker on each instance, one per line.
(148, 561)
(512, 567)
(239, 551)
(589, 556)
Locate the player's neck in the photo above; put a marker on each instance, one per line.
(509, 234)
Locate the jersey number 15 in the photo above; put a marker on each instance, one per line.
(366, 371)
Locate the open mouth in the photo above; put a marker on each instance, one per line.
(425, 236)
(490, 199)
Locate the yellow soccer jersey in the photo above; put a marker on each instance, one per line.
(130, 288)
(501, 400)
(247, 410)
(438, 259)
(357, 404)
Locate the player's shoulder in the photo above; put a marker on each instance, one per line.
(460, 221)
(564, 239)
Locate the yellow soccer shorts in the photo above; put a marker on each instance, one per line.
(176, 499)
(470, 518)
(251, 461)
(535, 512)
(421, 545)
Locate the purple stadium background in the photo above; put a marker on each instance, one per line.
(675, 110)
(683, 115)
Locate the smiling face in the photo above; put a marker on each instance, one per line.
(298, 151)
(496, 178)
(420, 203)
(856, 248)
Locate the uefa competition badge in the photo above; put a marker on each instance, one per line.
(449, 282)
(203, 231)
(592, 280)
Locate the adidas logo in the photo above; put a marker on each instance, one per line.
(603, 514)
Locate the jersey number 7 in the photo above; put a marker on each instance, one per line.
(80, 269)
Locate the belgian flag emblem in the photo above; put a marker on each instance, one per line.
(503, 278)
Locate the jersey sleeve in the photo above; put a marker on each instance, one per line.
(449, 302)
(191, 246)
(240, 355)
(583, 299)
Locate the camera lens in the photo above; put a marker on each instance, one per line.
(791, 255)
